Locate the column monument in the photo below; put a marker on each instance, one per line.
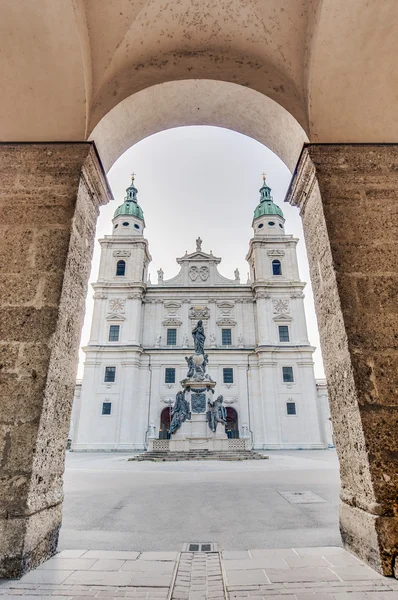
(198, 418)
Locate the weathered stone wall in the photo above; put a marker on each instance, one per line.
(348, 200)
(49, 203)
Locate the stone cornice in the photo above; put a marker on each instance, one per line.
(94, 177)
(303, 181)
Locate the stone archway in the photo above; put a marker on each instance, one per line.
(164, 428)
(317, 86)
(232, 426)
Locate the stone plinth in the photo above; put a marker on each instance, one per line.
(348, 200)
(195, 434)
(49, 203)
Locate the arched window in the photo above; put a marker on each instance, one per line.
(121, 267)
(276, 267)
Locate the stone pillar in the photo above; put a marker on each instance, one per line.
(49, 202)
(347, 195)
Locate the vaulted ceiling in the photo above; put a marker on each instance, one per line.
(331, 64)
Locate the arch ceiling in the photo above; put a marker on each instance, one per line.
(330, 64)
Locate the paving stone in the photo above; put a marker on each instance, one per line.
(270, 552)
(70, 554)
(302, 575)
(306, 561)
(314, 596)
(116, 554)
(155, 566)
(99, 578)
(321, 551)
(359, 573)
(107, 564)
(159, 556)
(46, 576)
(257, 563)
(241, 577)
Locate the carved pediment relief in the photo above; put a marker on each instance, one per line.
(122, 253)
(199, 312)
(115, 317)
(226, 321)
(283, 318)
(276, 252)
(172, 321)
(198, 273)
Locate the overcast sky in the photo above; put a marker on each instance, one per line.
(201, 181)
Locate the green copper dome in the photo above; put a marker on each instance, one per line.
(130, 205)
(267, 205)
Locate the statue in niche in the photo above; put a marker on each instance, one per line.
(199, 337)
(185, 341)
(216, 413)
(179, 412)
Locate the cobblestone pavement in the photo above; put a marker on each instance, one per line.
(328, 573)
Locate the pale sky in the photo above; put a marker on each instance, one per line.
(201, 181)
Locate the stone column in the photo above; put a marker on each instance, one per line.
(347, 195)
(49, 202)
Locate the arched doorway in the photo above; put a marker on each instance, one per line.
(164, 428)
(232, 426)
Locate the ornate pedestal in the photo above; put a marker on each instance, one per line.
(194, 433)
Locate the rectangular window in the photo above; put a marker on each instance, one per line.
(114, 333)
(171, 337)
(291, 408)
(287, 374)
(106, 408)
(110, 374)
(226, 337)
(283, 333)
(170, 375)
(228, 375)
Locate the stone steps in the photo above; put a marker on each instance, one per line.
(199, 455)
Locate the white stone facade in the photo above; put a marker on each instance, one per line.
(270, 378)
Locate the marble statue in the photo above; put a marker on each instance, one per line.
(237, 274)
(199, 337)
(160, 275)
(216, 413)
(179, 412)
(212, 340)
(198, 244)
(185, 341)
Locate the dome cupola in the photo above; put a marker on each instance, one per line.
(129, 218)
(268, 217)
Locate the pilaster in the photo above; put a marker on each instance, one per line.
(347, 195)
(50, 198)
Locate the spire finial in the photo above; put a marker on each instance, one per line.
(263, 175)
(132, 176)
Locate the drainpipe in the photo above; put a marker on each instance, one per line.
(248, 396)
(150, 398)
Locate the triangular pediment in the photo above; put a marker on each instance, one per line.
(198, 255)
(115, 317)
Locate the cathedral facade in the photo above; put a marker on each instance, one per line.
(256, 341)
